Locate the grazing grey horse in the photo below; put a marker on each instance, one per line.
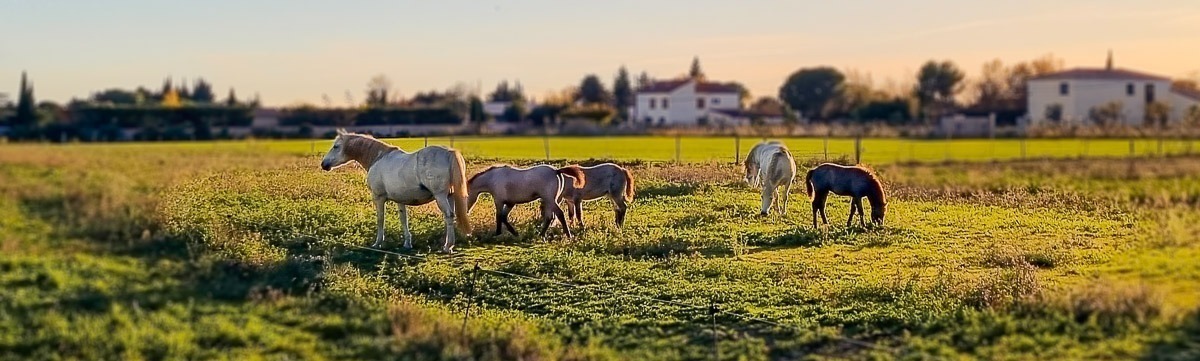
(510, 186)
(856, 182)
(430, 174)
(605, 179)
(771, 165)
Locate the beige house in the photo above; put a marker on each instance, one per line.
(1069, 96)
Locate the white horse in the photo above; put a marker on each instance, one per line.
(433, 173)
(771, 165)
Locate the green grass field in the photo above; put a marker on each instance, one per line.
(723, 149)
(245, 250)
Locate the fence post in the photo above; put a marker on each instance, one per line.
(451, 140)
(546, 144)
(470, 298)
(1160, 144)
(426, 140)
(858, 149)
(312, 147)
(677, 141)
(1131, 149)
(1086, 143)
(712, 314)
(1022, 148)
(737, 149)
(826, 147)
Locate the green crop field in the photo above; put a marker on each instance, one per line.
(724, 149)
(236, 250)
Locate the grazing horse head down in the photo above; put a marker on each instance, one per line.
(603, 180)
(510, 186)
(770, 165)
(853, 181)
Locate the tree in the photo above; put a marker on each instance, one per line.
(1156, 114)
(1110, 113)
(477, 114)
(1191, 117)
(26, 114)
(203, 92)
(810, 90)
(504, 93)
(166, 88)
(116, 96)
(695, 72)
(377, 90)
(184, 93)
(515, 112)
(171, 99)
(622, 93)
(991, 90)
(591, 90)
(937, 84)
(231, 99)
(1054, 112)
(644, 80)
(858, 90)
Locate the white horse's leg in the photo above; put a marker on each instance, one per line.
(380, 208)
(787, 192)
(767, 196)
(447, 207)
(404, 224)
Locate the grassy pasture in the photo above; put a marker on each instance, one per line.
(722, 149)
(220, 250)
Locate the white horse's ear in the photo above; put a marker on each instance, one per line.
(341, 131)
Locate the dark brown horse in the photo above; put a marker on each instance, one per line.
(856, 182)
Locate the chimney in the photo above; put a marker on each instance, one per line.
(1108, 64)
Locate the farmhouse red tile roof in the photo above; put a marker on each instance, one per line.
(1099, 73)
(701, 86)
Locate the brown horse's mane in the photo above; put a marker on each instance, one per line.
(876, 184)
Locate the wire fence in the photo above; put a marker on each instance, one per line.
(713, 309)
(733, 149)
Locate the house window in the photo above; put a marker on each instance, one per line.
(665, 103)
(1063, 89)
(1149, 93)
(652, 101)
(1129, 89)
(716, 100)
(699, 103)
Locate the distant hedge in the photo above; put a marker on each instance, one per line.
(369, 116)
(142, 116)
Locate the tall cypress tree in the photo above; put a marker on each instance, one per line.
(26, 114)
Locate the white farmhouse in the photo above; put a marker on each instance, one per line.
(1068, 96)
(684, 102)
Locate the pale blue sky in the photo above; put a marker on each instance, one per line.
(291, 51)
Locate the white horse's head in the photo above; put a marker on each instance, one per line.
(336, 157)
(751, 172)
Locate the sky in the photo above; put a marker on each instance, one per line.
(290, 52)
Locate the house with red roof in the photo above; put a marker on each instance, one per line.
(1069, 96)
(685, 102)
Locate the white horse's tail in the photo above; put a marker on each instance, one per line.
(458, 190)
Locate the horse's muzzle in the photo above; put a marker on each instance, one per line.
(325, 166)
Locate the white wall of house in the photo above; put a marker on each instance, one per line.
(682, 105)
(1085, 94)
(1180, 104)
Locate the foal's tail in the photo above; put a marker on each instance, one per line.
(574, 171)
(808, 185)
(458, 190)
(628, 184)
